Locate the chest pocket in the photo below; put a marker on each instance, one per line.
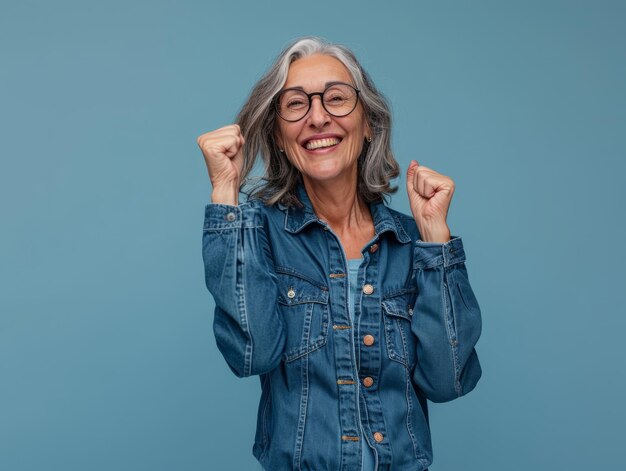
(304, 306)
(397, 314)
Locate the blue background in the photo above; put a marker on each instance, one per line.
(107, 356)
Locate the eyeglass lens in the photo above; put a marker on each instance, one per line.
(338, 99)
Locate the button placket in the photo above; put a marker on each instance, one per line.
(343, 344)
(370, 351)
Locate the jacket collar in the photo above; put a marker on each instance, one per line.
(297, 218)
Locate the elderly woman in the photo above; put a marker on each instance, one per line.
(353, 314)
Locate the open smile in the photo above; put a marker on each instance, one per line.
(321, 143)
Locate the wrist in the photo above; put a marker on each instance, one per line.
(439, 233)
(226, 194)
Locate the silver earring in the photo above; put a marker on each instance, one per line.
(282, 151)
(369, 139)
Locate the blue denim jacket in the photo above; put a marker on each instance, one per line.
(278, 277)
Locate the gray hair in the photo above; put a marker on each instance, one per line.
(257, 120)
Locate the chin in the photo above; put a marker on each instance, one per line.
(325, 174)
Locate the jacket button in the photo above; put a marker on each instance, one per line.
(378, 437)
(291, 293)
(367, 381)
(368, 289)
(368, 340)
(231, 217)
(373, 248)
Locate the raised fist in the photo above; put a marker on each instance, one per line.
(430, 194)
(223, 154)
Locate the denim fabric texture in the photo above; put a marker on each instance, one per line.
(367, 454)
(279, 279)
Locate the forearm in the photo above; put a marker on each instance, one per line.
(239, 274)
(446, 321)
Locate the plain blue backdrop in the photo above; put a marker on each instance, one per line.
(107, 355)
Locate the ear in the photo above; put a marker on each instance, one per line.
(368, 131)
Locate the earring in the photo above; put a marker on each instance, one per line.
(282, 151)
(369, 139)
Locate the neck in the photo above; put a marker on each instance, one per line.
(338, 204)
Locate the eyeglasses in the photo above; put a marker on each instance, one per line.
(338, 99)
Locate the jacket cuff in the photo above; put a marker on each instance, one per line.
(225, 216)
(434, 254)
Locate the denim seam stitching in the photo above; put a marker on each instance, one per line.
(405, 346)
(455, 344)
(291, 272)
(222, 227)
(447, 312)
(303, 405)
(266, 435)
(310, 347)
(243, 314)
(409, 403)
(388, 337)
(398, 292)
(369, 429)
(409, 412)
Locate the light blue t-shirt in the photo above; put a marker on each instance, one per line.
(353, 270)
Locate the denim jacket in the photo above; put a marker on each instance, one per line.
(330, 385)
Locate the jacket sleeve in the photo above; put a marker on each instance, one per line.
(446, 321)
(239, 273)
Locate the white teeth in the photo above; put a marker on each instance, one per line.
(319, 143)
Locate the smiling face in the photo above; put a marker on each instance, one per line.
(322, 147)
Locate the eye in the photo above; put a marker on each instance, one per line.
(335, 101)
(337, 95)
(293, 100)
(295, 103)
(336, 98)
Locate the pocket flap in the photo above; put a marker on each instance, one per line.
(400, 305)
(293, 290)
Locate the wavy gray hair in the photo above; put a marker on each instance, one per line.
(257, 120)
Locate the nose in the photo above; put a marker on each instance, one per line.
(318, 116)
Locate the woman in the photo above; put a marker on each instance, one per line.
(352, 314)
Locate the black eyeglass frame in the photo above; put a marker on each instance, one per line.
(310, 97)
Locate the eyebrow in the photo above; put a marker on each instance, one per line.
(326, 85)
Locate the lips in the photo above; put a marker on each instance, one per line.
(313, 144)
